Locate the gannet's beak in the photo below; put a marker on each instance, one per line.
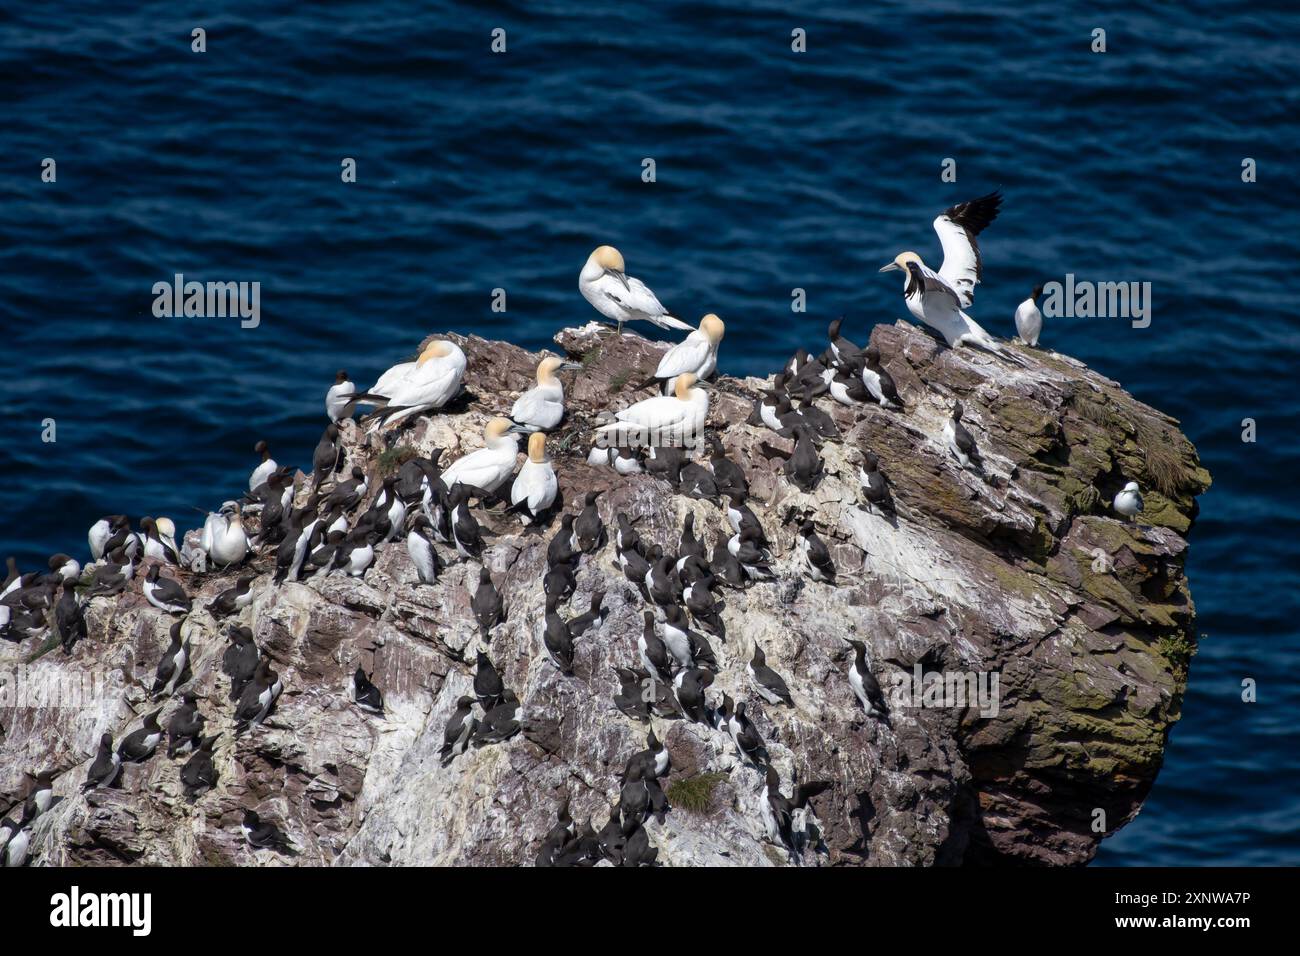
(570, 367)
(891, 267)
(620, 277)
(518, 430)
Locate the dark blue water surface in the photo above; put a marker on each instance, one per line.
(775, 170)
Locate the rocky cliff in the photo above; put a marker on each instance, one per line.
(1024, 573)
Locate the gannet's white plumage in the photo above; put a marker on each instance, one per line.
(535, 486)
(1029, 320)
(1129, 501)
(542, 407)
(938, 298)
(490, 466)
(410, 388)
(620, 297)
(223, 536)
(677, 416)
(697, 353)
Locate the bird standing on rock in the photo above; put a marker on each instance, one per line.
(604, 283)
(541, 408)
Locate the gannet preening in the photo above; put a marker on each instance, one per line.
(1129, 501)
(535, 488)
(620, 297)
(1029, 321)
(339, 395)
(223, 536)
(542, 406)
(938, 298)
(410, 388)
(490, 466)
(960, 441)
(697, 353)
(264, 470)
(664, 418)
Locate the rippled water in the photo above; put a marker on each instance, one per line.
(775, 170)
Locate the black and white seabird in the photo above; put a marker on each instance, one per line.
(557, 639)
(689, 686)
(105, 530)
(419, 546)
(661, 580)
(753, 557)
(959, 441)
(111, 577)
(705, 609)
(560, 581)
(637, 851)
(41, 795)
(339, 395)
(232, 600)
(199, 774)
(631, 698)
(654, 653)
(172, 667)
(727, 475)
(346, 495)
(1029, 320)
(185, 725)
(328, 456)
(842, 351)
(768, 683)
(258, 697)
(740, 516)
(104, 768)
(864, 683)
(466, 535)
(725, 567)
(874, 487)
(499, 724)
(357, 552)
(744, 734)
(488, 686)
(460, 728)
(15, 840)
(879, 383)
(698, 653)
(264, 468)
(487, 605)
(804, 467)
(159, 535)
(635, 566)
(938, 299)
(366, 695)
(1128, 503)
(69, 618)
(696, 481)
(588, 528)
(140, 744)
(165, 593)
(240, 659)
(816, 556)
(265, 835)
(591, 618)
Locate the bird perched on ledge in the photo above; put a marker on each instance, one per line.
(617, 296)
(697, 353)
(542, 407)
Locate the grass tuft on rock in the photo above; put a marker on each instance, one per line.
(394, 458)
(694, 794)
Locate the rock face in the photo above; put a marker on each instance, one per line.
(1024, 573)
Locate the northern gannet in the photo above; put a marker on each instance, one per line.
(664, 419)
(620, 297)
(697, 353)
(1129, 501)
(339, 395)
(535, 487)
(542, 406)
(264, 470)
(223, 536)
(938, 298)
(1029, 320)
(490, 466)
(410, 388)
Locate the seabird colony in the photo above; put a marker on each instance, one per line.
(430, 509)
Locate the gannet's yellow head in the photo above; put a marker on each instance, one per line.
(165, 527)
(712, 326)
(685, 382)
(496, 428)
(537, 447)
(436, 349)
(900, 262)
(609, 259)
(547, 368)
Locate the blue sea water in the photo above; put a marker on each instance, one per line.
(775, 170)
